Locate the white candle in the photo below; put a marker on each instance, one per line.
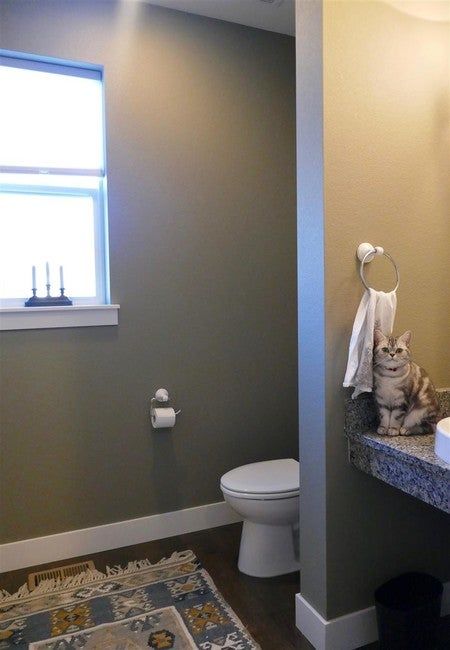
(33, 277)
(47, 272)
(61, 277)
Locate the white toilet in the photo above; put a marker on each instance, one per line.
(267, 496)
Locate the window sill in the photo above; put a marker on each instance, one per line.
(31, 318)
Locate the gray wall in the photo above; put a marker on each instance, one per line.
(201, 159)
(311, 312)
(373, 84)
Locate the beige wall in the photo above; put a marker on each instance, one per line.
(387, 175)
(201, 160)
(387, 170)
(386, 180)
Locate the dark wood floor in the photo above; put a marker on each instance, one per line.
(265, 606)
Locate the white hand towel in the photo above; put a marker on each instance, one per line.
(376, 311)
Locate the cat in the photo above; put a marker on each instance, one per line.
(404, 394)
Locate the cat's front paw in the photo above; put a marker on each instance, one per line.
(382, 431)
(393, 431)
(404, 431)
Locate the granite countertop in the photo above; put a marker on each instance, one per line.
(406, 462)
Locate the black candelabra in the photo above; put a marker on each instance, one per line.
(48, 300)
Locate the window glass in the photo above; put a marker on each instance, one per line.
(53, 228)
(50, 120)
(52, 180)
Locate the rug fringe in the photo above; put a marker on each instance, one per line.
(138, 565)
(89, 576)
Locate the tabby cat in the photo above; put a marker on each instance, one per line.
(405, 396)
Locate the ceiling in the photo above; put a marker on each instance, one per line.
(279, 15)
(273, 15)
(435, 10)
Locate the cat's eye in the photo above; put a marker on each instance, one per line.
(398, 350)
(385, 349)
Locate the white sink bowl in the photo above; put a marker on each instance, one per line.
(442, 440)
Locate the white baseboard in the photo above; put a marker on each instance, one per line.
(345, 632)
(61, 546)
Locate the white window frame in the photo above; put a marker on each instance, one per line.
(86, 310)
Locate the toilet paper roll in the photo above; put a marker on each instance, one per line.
(163, 418)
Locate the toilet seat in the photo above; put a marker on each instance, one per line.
(259, 496)
(267, 480)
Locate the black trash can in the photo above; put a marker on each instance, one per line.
(408, 611)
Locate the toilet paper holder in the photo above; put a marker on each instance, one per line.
(161, 397)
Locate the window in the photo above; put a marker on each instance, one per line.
(52, 180)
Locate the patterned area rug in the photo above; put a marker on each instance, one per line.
(171, 604)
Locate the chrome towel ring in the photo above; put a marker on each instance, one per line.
(366, 252)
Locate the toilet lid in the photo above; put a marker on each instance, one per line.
(268, 477)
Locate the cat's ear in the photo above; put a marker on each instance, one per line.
(378, 336)
(406, 338)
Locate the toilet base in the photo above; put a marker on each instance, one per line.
(267, 551)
